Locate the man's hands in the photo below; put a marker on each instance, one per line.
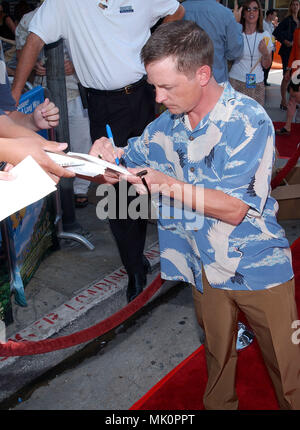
(46, 115)
(102, 148)
(156, 181)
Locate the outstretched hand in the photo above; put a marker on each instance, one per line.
(46, 115)
(21, 147)
(237, 12)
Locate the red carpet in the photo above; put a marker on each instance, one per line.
(287, 145)
(183, 387)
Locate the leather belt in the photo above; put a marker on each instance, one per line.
(128, 89)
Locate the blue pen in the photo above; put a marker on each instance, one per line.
(110, 136)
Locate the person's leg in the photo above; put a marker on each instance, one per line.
(297, 117)
(291, 110)
(266, 72)
(271, 314)
(130, 234)
(217, 315)
(127, 115)
(284, 83)
(80, 141)
(294, 99)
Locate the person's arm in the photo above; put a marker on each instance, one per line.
(234, 40)
(217, 204)
(27, 60)
(11, 129)
(17, 142)
(44, 117)
(177, 16)
(212, 203)
(295, 49)
(244, 184)
(237, 11)
(10, 24)
(266, 57)
(281, 32)
(14, 150)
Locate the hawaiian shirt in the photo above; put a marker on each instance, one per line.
(232, 150)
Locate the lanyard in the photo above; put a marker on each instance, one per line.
(251, 53)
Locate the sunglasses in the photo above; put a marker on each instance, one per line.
(250, 9)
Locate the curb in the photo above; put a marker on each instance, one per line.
(93, 303)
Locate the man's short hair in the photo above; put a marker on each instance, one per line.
(270, 11)
(185, 41)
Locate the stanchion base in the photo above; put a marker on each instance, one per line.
(78, 237)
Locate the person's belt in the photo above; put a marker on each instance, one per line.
(128, 89)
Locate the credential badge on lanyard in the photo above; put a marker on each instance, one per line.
(251, 77)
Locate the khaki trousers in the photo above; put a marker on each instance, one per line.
(270, 313)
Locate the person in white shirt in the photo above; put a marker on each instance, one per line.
(79, 127)
(104, 39)
(268, 26)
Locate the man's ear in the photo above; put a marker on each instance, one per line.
(204, 75)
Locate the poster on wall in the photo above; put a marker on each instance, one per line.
(31, 235)
(5, 293)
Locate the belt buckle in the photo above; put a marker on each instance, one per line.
(127, 89)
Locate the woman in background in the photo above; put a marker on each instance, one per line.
(246, 74)
(284, 33)
(293, 72)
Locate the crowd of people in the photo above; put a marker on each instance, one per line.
(211, 150)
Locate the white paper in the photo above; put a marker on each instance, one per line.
(87, 165)
(31, 184)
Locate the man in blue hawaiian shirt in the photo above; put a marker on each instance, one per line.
(212, 150)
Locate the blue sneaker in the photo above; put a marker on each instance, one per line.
(244, 338)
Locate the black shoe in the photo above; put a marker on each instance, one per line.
(282, 132)
(136, 284)
(267, 84)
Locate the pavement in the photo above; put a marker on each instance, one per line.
(75, 288)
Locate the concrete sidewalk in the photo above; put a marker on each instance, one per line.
(63, 297)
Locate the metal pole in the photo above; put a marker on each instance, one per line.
(56, 85)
